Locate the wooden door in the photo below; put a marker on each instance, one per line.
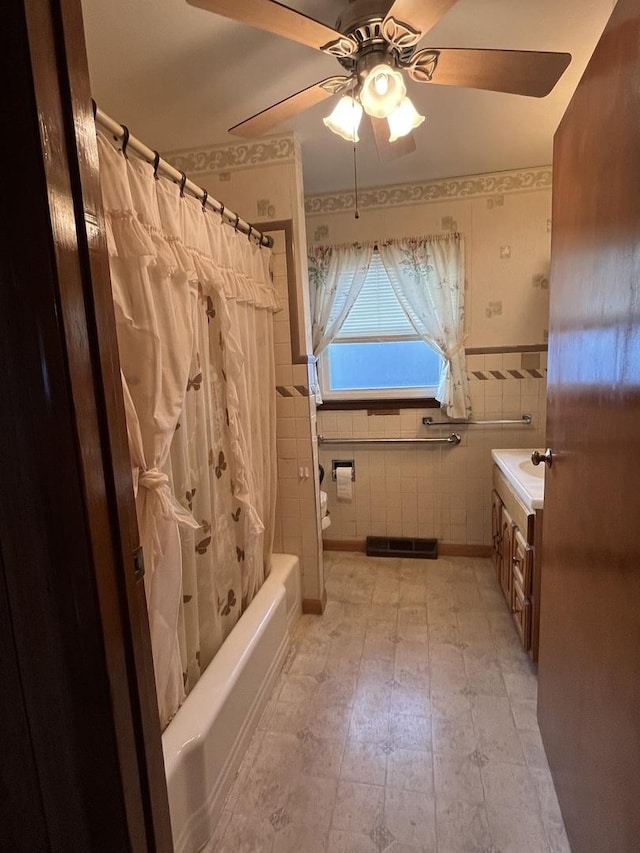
(589, 660)
(81, 767)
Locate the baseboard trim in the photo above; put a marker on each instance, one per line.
(450, 550)
(445, 549)
(344, 545)
(315, 606)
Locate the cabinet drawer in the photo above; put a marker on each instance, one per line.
(522, 563)
(521, 610)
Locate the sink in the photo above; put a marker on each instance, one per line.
(532, 470)
(526, 479)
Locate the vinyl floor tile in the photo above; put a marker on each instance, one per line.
(404, 722)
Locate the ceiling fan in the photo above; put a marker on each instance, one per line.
(377, 45)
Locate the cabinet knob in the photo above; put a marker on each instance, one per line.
(546, 457)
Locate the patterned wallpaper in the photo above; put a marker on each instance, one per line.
(497, 183)
(239, 155)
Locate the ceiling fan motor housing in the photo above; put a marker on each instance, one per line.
(363, 23)
(361, 13)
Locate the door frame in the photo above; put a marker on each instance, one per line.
(81, 723)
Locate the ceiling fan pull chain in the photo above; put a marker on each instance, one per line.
(355, 180)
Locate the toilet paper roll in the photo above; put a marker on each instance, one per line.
(343, 483)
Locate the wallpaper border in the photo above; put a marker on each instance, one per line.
(396, 195)
(241, 155)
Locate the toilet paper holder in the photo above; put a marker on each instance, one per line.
(343, 463)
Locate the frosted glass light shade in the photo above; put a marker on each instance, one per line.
(382, 91)
(345, 119)
(403, 120)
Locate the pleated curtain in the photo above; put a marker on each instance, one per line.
(336, 276)
(427, 275)
(193, 303)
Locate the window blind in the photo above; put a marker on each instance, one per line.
(376, 312)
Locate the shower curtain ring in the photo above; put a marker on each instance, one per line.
(204, 201)
(156, 165)
(183, 181)
(222, 211)
(249, 234)
(235, 227)
(125, 140)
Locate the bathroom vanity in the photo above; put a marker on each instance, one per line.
(516, 529)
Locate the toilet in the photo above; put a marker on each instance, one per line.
(324, 513)
(325, 520)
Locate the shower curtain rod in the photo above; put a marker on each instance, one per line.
(121, 131)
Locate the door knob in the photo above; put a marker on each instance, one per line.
(546, 457)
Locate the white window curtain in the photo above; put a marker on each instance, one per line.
(336, 276)
(427, 275)
(193, 303)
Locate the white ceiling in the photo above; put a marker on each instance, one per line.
(179, 77)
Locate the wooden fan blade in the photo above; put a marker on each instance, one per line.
(390, 150)
(264, 121)
(274, 18)
(518, 72)
(420, 15)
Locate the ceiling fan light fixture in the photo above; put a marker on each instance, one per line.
(403, 120)
(382, 91)
(345, 118)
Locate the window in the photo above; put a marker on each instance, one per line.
(377, 353)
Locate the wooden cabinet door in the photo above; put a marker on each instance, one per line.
(521, 574)
(506, 535)
(589, 659)
(522, 563)
(496, 521)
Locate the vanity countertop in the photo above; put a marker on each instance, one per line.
(526, 479)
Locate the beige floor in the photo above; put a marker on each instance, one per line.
(404, 721)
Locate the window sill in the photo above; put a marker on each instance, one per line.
(378, 405)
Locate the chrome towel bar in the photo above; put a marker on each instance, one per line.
(523, 420)
(453, 439)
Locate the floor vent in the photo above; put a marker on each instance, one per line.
(382, 546)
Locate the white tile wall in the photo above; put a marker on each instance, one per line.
(431, 492)
(296, 511)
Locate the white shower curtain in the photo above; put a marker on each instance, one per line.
(194, 304)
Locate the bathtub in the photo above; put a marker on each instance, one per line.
(204, 743)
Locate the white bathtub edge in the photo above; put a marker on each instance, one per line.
(204, 745)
